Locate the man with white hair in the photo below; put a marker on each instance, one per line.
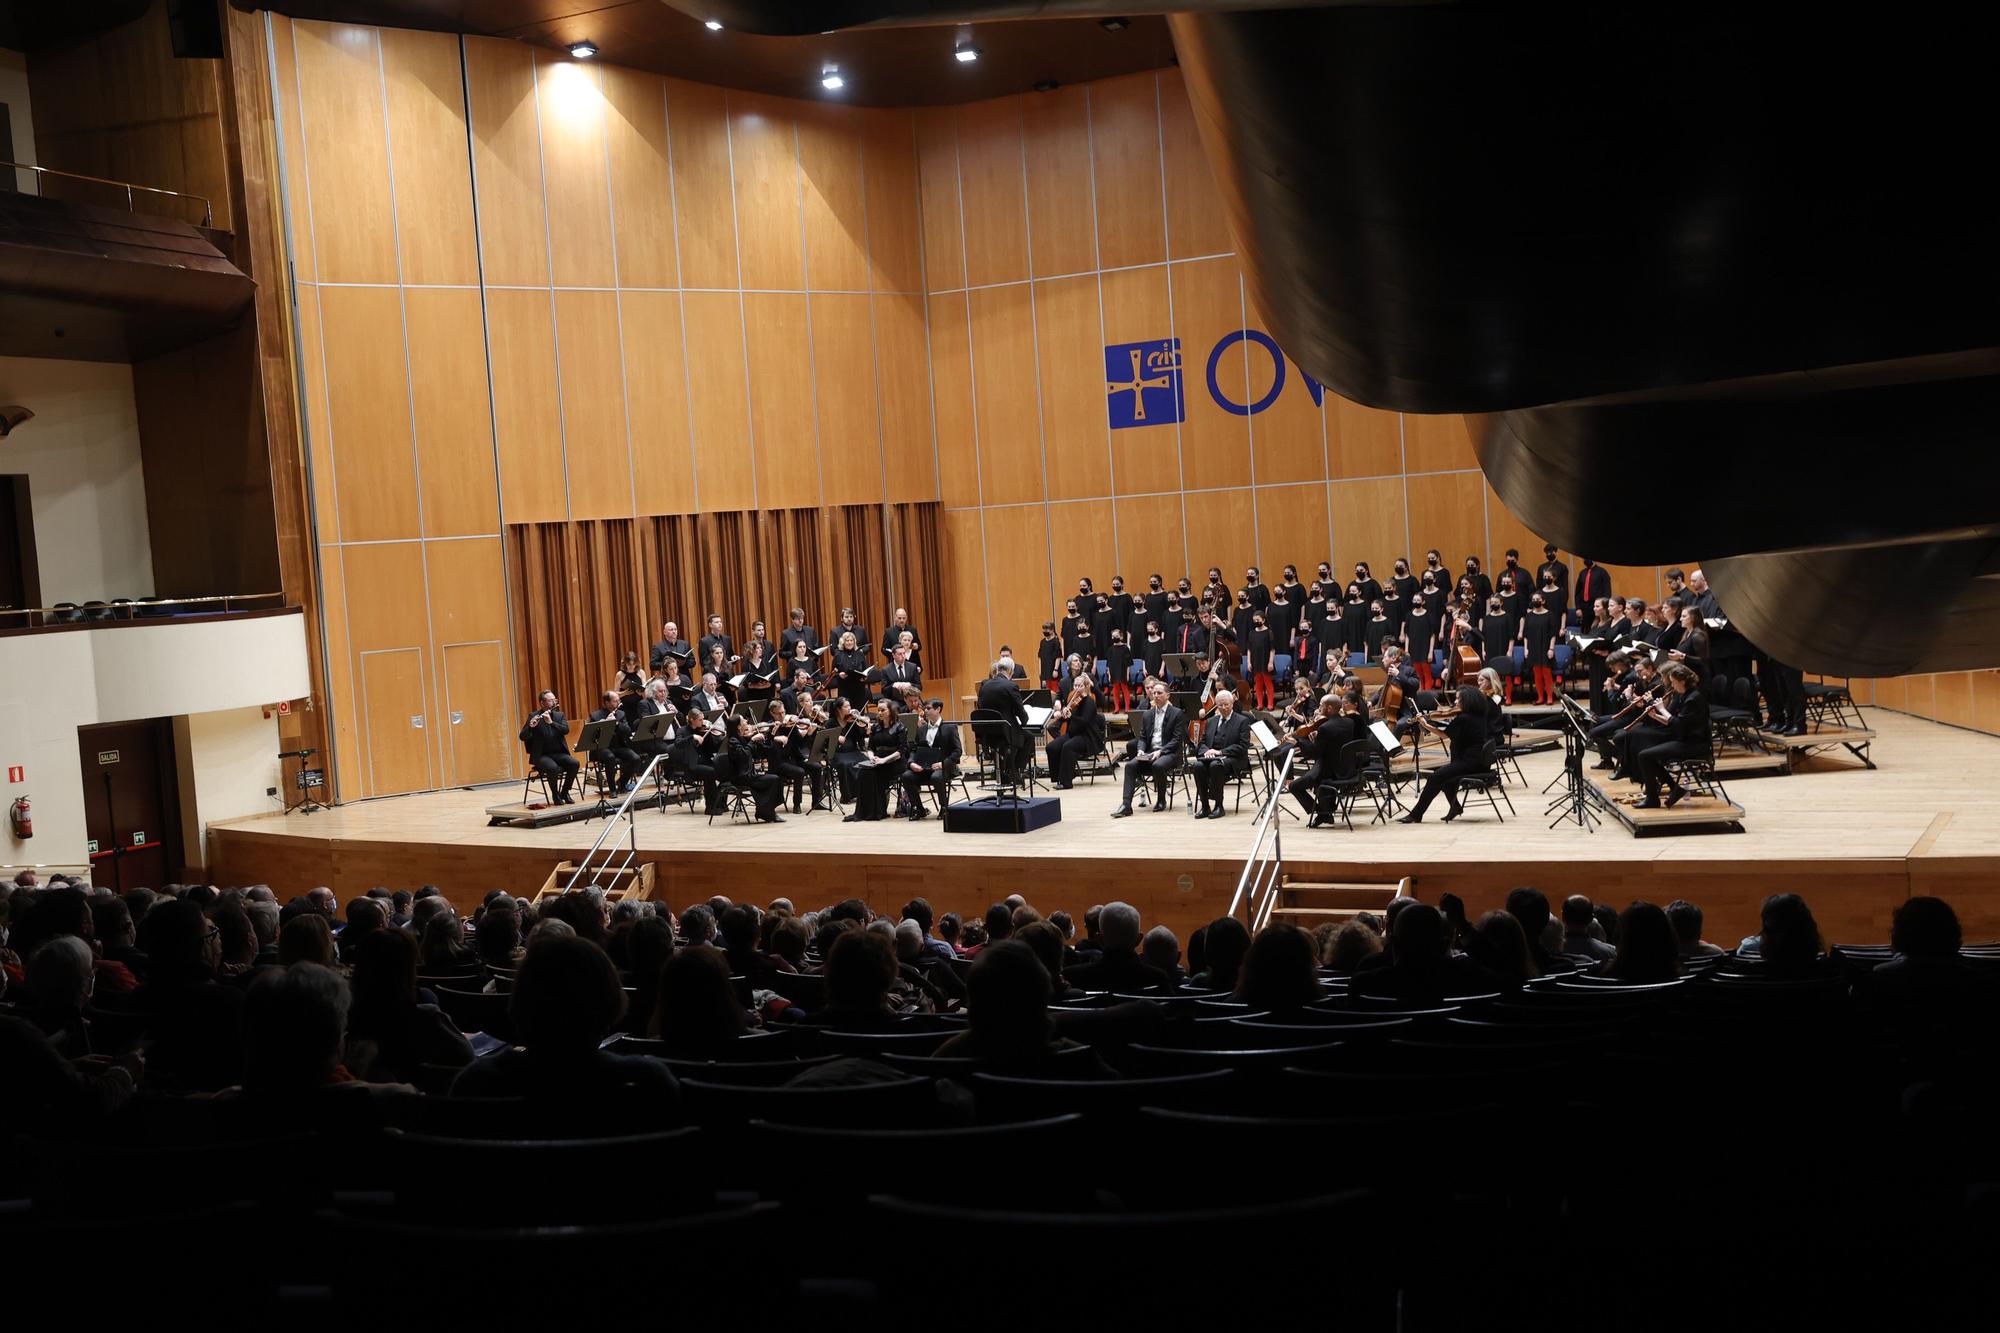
(1161, 949)
(61, 975)
(998, 694)
(1119, 968)
(1223, 750)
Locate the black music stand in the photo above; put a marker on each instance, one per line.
(652, 725)
(1178, 666)
(1577, 793)
(597, 736)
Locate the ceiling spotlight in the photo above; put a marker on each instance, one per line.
(583, 50)
(965, 55)
(713, 25)
(829, 79)
(1114, 24)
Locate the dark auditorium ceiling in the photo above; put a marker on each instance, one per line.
(903, 66)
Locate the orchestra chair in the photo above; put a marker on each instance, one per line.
(1490, 784)
(1507, 762)
(735, 803)
(1830, 705)
(1350, 781)
(535, 778)
(1697, 776)
(1243, 772)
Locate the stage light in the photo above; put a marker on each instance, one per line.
(712, 25)
(583, 50)
(829, 79)
(965, 55)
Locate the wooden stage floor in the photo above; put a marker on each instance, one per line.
(1855, 842)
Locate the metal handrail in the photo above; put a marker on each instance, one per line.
(623, 814)
(1260, 886)
(132, 608)
(207, 206)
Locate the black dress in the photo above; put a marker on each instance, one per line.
(1261, 646)
(1047, 651)
(1378, 632)
(1538, 634)
(850, 675)
(1354, 624)
(874, 783)
(1420, 634)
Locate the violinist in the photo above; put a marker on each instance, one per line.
(1075, 732)
(1318, 743)
(743, 747)
(879, 766)
(1686, 736)
(698, 754)
(782, 747)
(852, 748)
(1468, 736)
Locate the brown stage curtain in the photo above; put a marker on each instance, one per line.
(585, 592)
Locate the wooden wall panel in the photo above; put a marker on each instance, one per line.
(1069, 356)
(1196, 223)
(1222, 530)
(453, 414)
(656, 391)
(1952, 698)
(850, 431)
(1985, 687)
(527, 416)
(1207, 305)
(1447, 511)
(704, 201)
(1369, 524)
(368, 401)
(507, 161)
(1437, 443)
(426, 98)
(783, 432)
(642, 215)
(966, 628)
(1292, 527)
(1503, 530)
(943, 222)
(596, 451)
(576, 186)
(1362, 441)
(1150, 539)
(286, 113)
(316, 421)
(340, 694)
(1062, 232)
(395, 718)
(764, 161)
(991, 173)
(468, 590)
(1287, 438)
(714, 323)
(1003, 356)
(1081, 545)
(1134, 307)
(895, 241)
(1018, 574)
(387, 612)
(956, 423)
(1125, 151)
(834, 196)
(903, 371)
(479, 730)
(346, 151)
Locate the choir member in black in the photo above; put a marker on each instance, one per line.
(1216, 588)
(1420, 638)
(738, 766)
(933, 760)
(1511, 569)
(1328, 587)
(1121, 602)
(1283, 617)
(1222, 751)
(713, 640)
(760, 673)
(1371, 588)
(1667, 615)
(907, 641)
(1006, 659)
(1500, 629)
(797, 632)
(1295, 592)
(1686, 737)
(1176, 617)
(1552, 578)
(759, 635)
(1254, 589)
(1466, 594)
(1046, 652)
(628, 682)
(712, 697)
(1434, 569)
(850, 670)
(1644, 628)
(1075, 628)
(1692, 648)
(1538, 637)
(620, 760)
(1592, 582)
(1242, 617)
(783, 746)
(546, 736)
(1159, 740)
(1354, 620)
(1118, 660)
(1076, 731)
(1395, 608)
(879, 766)
(679, 687)
(1260, 654)
(848, 624)
(672, 647)
(898, 622)
(1405, 582)
(1153, 650)
(1620, 625)
(1098, 609)
(1468, 735)
(1378, 630)
(799, 659)
(657, 701)
(902, 681)
(698, 755)
(802, 686)
(1156, 598)
(716, 665)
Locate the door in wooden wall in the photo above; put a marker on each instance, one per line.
(131, 805)
(479, 732)
(396, 719)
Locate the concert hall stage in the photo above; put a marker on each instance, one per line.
(1855, 841)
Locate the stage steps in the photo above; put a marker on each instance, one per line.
(1306, 903)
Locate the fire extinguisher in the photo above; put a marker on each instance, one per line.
(22, 816)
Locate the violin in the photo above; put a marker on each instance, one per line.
(1060, 721)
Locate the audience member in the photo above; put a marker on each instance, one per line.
(1578, 915)
(1118, 967)
(1648, 950)
(1161, 951)
(1225, 941)
(698, 1013)
(1281, 972)
(1686, 919)
(403, 1033)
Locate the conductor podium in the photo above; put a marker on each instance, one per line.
(1002, 814)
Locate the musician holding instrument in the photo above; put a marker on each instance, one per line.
(1687, 736)
(882, 761)
(1317, 744)
(1633, 696)
(784, 738)
(743, 746)
(657, 702)
(854, 724)
(546, 736)
(618, 758)
(1468, 736)
(697, 754)
(1076, 731)
(1396, 701)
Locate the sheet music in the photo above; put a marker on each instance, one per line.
(1263, 734)
(1384, 737)
(736, 682)
(1037, 716)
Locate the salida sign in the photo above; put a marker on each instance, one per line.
(1143, 380)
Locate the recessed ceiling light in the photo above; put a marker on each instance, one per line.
(965, 55)
(713, 25)
(583, 50)
(1114, 24)
(829, 79)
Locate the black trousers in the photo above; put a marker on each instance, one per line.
(1653, 758)
(1064, 751)
(1604, 737)
(560, 770)
(939, 783)
(1445, 779)
(766, 790)
(1305, 790)
(1155, 771)
(1784, 693)
(623, 761)
(709, 776)
(845, 765)
(793, 774)
(1634, 739)
(1211, 779)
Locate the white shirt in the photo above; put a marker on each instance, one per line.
(1159, 726)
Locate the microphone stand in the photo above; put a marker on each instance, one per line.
(1577, 793)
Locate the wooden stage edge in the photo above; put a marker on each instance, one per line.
(1855, 842)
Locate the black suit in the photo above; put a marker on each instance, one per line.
(944, 749)
(619, 756)
(900, 673)
(697, 759)
(708, 641)
(648, 708)
(805, 634)
(997, 694)
(1082, 734)
(548, 752)
(1687, 737)
(1172, 728)
(1231, 737)
(675, 648)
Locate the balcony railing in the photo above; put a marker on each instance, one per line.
(127, 187)
(84, 615)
